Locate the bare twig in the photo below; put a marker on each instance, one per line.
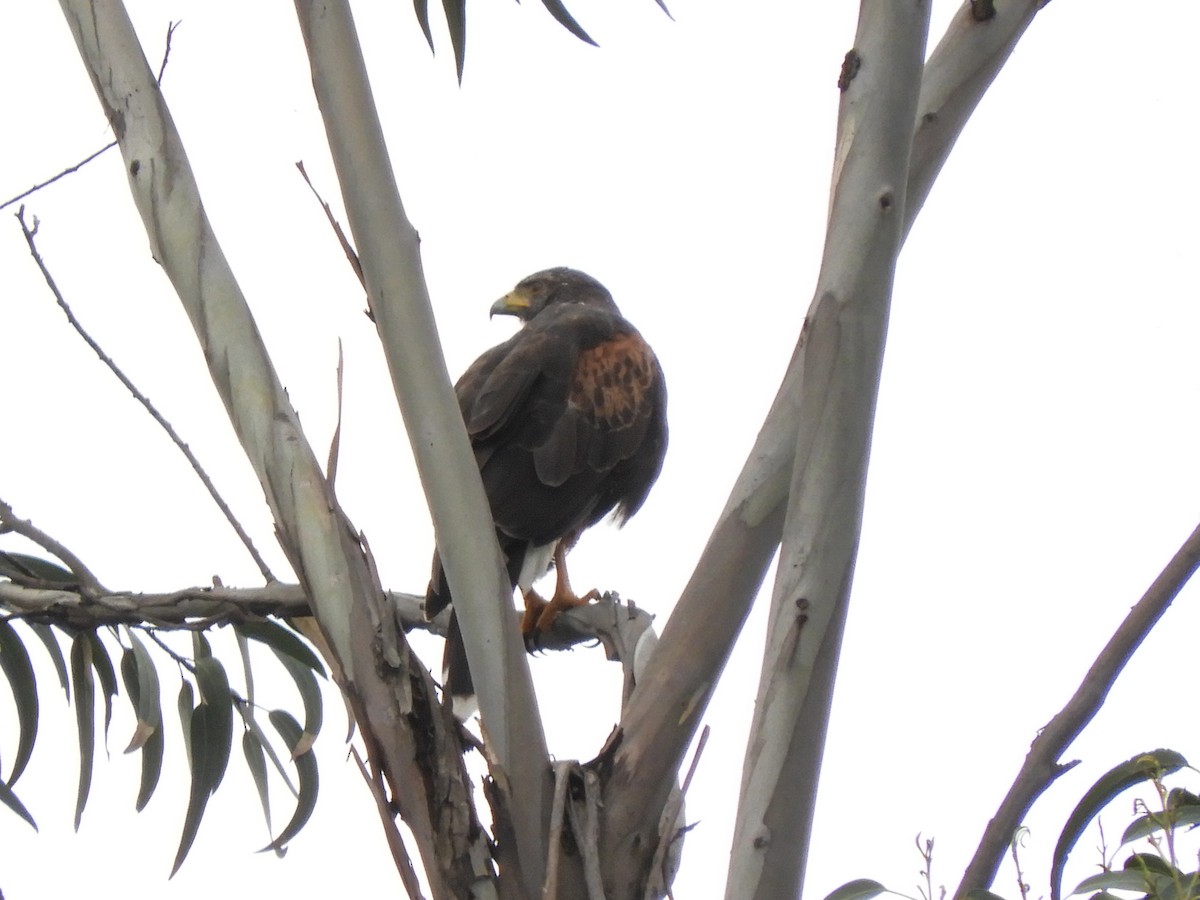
(63, 174)
(1041, 766)
(89, 584)
(162, 67)
(30, 234)
(387, 817)
(347, 247)
(87, 159)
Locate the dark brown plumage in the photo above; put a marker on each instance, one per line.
(568, 422)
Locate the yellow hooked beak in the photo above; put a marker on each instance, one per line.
(513, 303)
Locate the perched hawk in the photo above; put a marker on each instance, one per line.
(568, 422)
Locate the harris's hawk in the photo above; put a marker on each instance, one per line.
(568, 422)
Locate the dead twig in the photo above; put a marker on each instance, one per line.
(347, 247)
(30, 235)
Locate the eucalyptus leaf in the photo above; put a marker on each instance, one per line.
(256, 762)
(306, 769)
(185, 703)
(9, 799)
(107, 677)
(310, 695)
(859, 889)
(217, 697)
(17, 668)
(283, 640)
(1143, 767)
(152, 758)
(568, 22)
(1122, 880)
(46, 635)
(456, 21)
(24, 566)
(276, 761)
(200, 740)
(421, 8)
(85, 711)
(141, 683)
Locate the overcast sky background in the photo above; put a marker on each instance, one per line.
(1035, 454)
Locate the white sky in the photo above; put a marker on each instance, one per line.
(1034, 460)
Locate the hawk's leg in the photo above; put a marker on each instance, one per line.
(540, 615)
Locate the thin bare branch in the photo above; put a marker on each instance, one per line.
(9, 522)
(387, 817)
(1041, 766)
(347, 247)
(162, 68)
(30, 239)
(70, 170)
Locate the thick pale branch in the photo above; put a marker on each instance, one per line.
(844, 355)
(1041, 765)
(957, 74)
(659, 721)
(390, 255)
(395, 702)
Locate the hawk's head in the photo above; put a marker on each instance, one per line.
(552, 287)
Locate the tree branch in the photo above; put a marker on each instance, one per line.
(70, 170)
(183, 608)
(30, 235)
(659, 721)
(9, 522)
(408, 734)
(1041, 766)
(846, 329)
(390, 255)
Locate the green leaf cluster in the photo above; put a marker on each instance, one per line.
(206, 707)
(1157, 875)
